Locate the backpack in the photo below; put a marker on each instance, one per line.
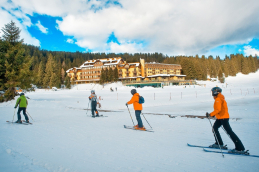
(141, 100)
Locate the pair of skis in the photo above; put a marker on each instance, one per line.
(23, 122)
(206, 149)
(130, 127)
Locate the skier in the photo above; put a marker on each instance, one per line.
(222, 118)
(137, 107)
(94, 103)
(22, 102)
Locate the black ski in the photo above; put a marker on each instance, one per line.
(130, 127)
(17, 123)
(205, 147)
(245, 154)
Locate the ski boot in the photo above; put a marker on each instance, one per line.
(141, 128)
(93, 116)
(19, 121)
(136, 126)
(218, 147)
(234, 151)
(27, 121)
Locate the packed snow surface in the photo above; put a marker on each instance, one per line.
(65, 138)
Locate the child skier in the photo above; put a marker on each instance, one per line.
(94, 103)
(22, 102)
(137, 108)
(222, 118)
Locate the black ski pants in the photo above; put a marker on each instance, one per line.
(93, 108)
(24, 113)
(225, 122)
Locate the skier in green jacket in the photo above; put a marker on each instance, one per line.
(22, 102)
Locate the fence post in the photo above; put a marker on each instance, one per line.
(181, 95)
(117, 96)
(170, 95)
(196, 94)
(154, 96)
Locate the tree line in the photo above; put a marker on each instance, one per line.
(22, 65)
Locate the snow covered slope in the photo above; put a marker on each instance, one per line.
(64, 138)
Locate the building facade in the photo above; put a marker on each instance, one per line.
(138, 72)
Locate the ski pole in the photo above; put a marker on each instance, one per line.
(29, 115)
(87, 107)
(13, 115)
(131, 116)
(216, 138)
(146, 120)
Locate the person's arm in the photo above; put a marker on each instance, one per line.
(133, 99)
(17, 102)
(217, 107)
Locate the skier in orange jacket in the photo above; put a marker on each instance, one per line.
(222, 118)
(137, 107)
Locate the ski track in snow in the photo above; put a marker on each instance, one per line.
(63, 139)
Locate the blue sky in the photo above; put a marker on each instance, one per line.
(200, 27)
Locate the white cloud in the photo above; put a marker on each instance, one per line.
(71, 41)
(125, 47)
(248, 50)
(168, 26)
(7, 17)
(41, 28)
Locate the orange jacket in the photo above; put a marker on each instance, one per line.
(135, 100)
(220, 107)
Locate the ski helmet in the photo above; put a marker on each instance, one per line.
(216, 91)
(21, 94)
(133, 91)
(92, 91)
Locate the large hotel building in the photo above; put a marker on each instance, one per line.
(139, 72)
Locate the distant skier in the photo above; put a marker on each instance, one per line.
(222, 118)
(22, 102)
(137, 107)
(111, 89)
(94, 103)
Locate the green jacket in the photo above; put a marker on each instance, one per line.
(22, 102)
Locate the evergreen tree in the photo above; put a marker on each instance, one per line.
(40, 75)
(17, 64)
(67, 82)
(220, 76)
(116, 74)
(110, 75)
(106, 75)
(11, 33)
(51, 78)
(244, 65)
(102, 77)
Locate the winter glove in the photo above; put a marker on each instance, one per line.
(207, 114)
(127, 104)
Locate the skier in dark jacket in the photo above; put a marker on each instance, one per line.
(137, 107)
(222, 118)
(94, 103)
(22, 102)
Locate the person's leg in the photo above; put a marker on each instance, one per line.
(25, 115)
(92, 108)
(238, 144)
(216, 126)
(18, 114)
(137, 113)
